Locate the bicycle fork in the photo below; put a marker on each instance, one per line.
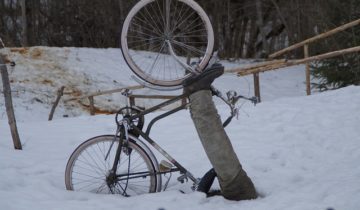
(112, 178)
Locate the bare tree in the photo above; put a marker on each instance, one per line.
(24, 24)
(261, 26)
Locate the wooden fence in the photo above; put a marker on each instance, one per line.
(91, 98)
(255, 70)
(276, 64)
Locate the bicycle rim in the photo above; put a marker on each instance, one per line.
(152, 26)
(87, 169)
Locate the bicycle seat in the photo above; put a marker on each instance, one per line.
(203, 80)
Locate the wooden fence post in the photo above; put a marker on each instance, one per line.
(92, 105)
(131, 100)
(307, 64)
(9, 105)
(257, 86)
(60, 93)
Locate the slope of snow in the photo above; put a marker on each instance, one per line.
(301, 152)
(41, 71)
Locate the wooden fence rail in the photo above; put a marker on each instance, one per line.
(105, 92)
(91, 98)
(315, 38)
(267, 66)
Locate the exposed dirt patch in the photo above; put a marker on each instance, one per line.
(23, 51)
(47, 82)
(74, 92)
(36, 53)
(97, 110)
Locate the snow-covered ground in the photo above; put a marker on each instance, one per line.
(301, 152)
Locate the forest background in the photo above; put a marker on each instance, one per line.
(243, 28)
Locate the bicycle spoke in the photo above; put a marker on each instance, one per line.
(156, 59)
(190, 26)
(91, 157)
(149, 23)
(160, 12)
(156, 14)
(183, 21)
(86, 186)
(180, 18)
(88, 170)
(188, 47)
(150, 49)
(88, 180)
(93, 167)
(101, 188)
(144, 27)
(189, 30)
(167, 9)
(99, 157)
(151, 17)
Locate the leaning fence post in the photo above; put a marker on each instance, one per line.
(60, 93)
(306, 55)
(9, 105)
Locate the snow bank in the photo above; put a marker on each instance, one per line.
(301, 152)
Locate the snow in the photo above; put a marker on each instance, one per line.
(301, 151)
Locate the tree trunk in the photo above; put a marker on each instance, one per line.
(243, 36)
(24, 33)
(260, 24)
(253, 34)
(9, 105)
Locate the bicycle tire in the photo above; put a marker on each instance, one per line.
(87, 168)
(183, 24)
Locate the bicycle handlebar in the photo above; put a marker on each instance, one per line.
(231, 100)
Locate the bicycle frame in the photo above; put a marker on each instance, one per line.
(126, 124)
(145, 135)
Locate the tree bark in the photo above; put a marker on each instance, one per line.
(9, 105)
(260, 24)
(24, 33)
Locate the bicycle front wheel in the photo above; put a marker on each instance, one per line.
(162, 40)
(88, 168)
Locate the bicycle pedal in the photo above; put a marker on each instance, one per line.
(165, 166)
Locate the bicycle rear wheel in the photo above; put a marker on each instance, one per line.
(160, 40)
(87, 169)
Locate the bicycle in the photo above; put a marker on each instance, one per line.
(123, 163)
